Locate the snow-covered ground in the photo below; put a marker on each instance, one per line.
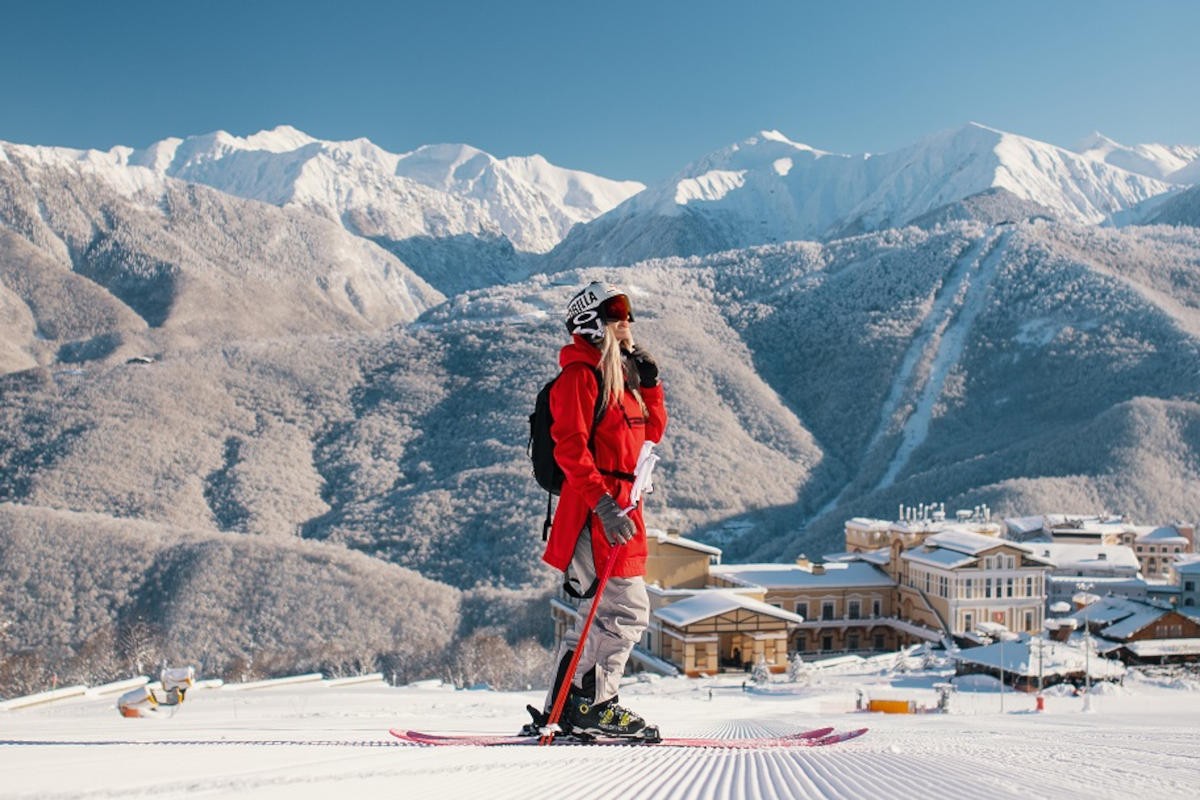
(318, 741)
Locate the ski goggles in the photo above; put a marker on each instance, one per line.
(616, 309)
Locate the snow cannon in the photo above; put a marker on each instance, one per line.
(175, 683)
(139, 702)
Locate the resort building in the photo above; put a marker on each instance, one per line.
(846, 606)
(958, 579)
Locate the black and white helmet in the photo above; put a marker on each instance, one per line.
(593, 307)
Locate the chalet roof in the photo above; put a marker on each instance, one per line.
(713, 602)
(837, 575)
(1121, 617)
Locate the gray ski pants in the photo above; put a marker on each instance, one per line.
(621, 618)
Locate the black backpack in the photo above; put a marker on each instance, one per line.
(546, 470)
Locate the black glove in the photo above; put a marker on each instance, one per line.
(618, 529)
(647, 367)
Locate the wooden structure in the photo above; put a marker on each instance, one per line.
(714, 630)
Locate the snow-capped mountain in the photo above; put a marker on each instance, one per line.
(435, 191)
(768, 188)
(1172, 163)
(98, 267)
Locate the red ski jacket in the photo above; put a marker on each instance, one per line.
(620, 432)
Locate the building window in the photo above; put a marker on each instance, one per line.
(1009, 587)
(968, 621)
(801, 643)
(987, 587)
(878, 642)
(802, 608)
(1029, 620)
(1152, 566)
(827, 611)
(1010, 562)
(876, 608)
(928, 580)
(852, 642)
(1189, 586)
(855, 612)
(969, 588)
(1029, 586)
(827, 642)
(943, 586)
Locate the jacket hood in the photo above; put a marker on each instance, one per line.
(579, 351)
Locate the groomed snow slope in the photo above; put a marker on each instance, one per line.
(313, 741)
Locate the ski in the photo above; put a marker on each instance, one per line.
(819, 737)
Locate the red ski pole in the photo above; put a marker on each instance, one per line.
(561, 700)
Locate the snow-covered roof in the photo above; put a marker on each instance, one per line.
(939, 557)
(1120, 617)
(1188, 567)
(957, 548)
(1091, 557)
(1159, 535)
(1133, 623)
(838, 574)
(1057, 658)
(713, 602)
(881, 557)
(868, 524)
(926, 525)
(665, 538)
(1102, 583)
(1025, 525)
(1084, 522)
(968, 542)
(1164, 647)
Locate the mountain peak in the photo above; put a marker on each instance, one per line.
(280, 139)
(1096, 142)
(1174, 163)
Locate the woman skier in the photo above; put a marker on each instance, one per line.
(605, 404)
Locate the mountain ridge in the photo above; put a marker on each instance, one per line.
(769, 189)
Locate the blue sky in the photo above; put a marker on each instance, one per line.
(629, 90)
